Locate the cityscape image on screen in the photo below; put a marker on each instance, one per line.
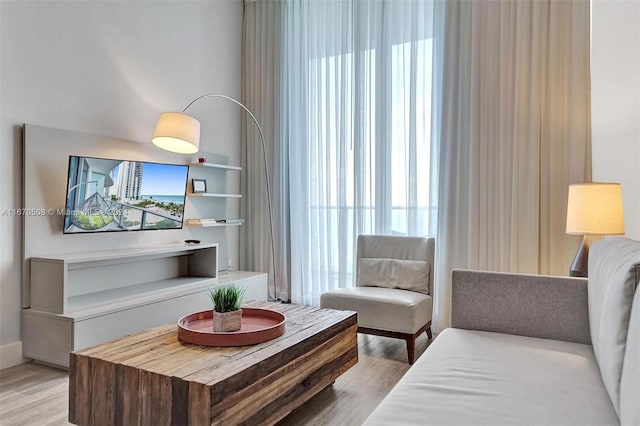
(105, 195)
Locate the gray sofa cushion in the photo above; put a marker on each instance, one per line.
(630, 384)
(527, 305)
(469, 377)
(611, 290)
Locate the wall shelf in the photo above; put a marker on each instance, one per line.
(216, 166)
(217, 205)
(229, 222)
(214, 195)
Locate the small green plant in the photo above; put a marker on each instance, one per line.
(226, 298)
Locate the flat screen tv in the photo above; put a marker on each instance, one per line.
(105, 195)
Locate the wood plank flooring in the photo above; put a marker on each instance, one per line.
(36, 395)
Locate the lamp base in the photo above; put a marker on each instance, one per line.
(580, 264)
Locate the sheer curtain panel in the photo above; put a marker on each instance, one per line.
(359, 120)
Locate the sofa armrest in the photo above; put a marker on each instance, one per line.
(528, 305)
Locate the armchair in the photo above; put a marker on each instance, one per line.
(394, 287)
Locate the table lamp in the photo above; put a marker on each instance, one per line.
(593, 210)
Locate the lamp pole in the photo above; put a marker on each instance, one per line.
(266, 174)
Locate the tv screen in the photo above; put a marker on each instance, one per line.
(105, 195)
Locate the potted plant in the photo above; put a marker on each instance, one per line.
(226, 300)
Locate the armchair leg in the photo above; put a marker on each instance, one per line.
(429, 335)
(411, 349)
(410, 339)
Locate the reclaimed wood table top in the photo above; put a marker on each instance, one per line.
(154, 378)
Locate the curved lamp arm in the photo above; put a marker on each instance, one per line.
(188, 131)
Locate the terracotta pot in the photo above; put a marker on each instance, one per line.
(227, 321)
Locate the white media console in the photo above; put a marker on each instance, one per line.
(79, 300)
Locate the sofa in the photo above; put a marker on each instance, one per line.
(531, 349)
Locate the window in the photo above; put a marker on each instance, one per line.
(361, 158)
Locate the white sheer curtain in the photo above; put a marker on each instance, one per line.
(358, 122)
(515, 133)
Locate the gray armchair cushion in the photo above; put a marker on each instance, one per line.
(382, 308)
(411, 275)
(398, 247)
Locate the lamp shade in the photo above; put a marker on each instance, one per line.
(177, 132)
(595, 209)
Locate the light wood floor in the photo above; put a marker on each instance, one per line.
(32, 394)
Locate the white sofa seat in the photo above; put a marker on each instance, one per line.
(482, 378)
(383, 308)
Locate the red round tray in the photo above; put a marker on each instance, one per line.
(258, 325)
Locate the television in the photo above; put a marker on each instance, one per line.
(107, 195)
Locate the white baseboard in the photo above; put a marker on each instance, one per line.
(11, 354)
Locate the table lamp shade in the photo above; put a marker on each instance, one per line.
(595, 209)
(177, 132)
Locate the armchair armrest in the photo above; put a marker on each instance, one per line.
(528, 305)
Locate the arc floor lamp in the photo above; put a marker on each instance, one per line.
(179, 132)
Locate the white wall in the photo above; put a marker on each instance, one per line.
(108, 68)
(615, 101)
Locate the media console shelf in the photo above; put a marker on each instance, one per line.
(67, 283)
(78, 300)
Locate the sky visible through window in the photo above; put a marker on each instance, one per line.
(162, 179)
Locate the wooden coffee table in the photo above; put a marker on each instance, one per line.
(152, 378)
